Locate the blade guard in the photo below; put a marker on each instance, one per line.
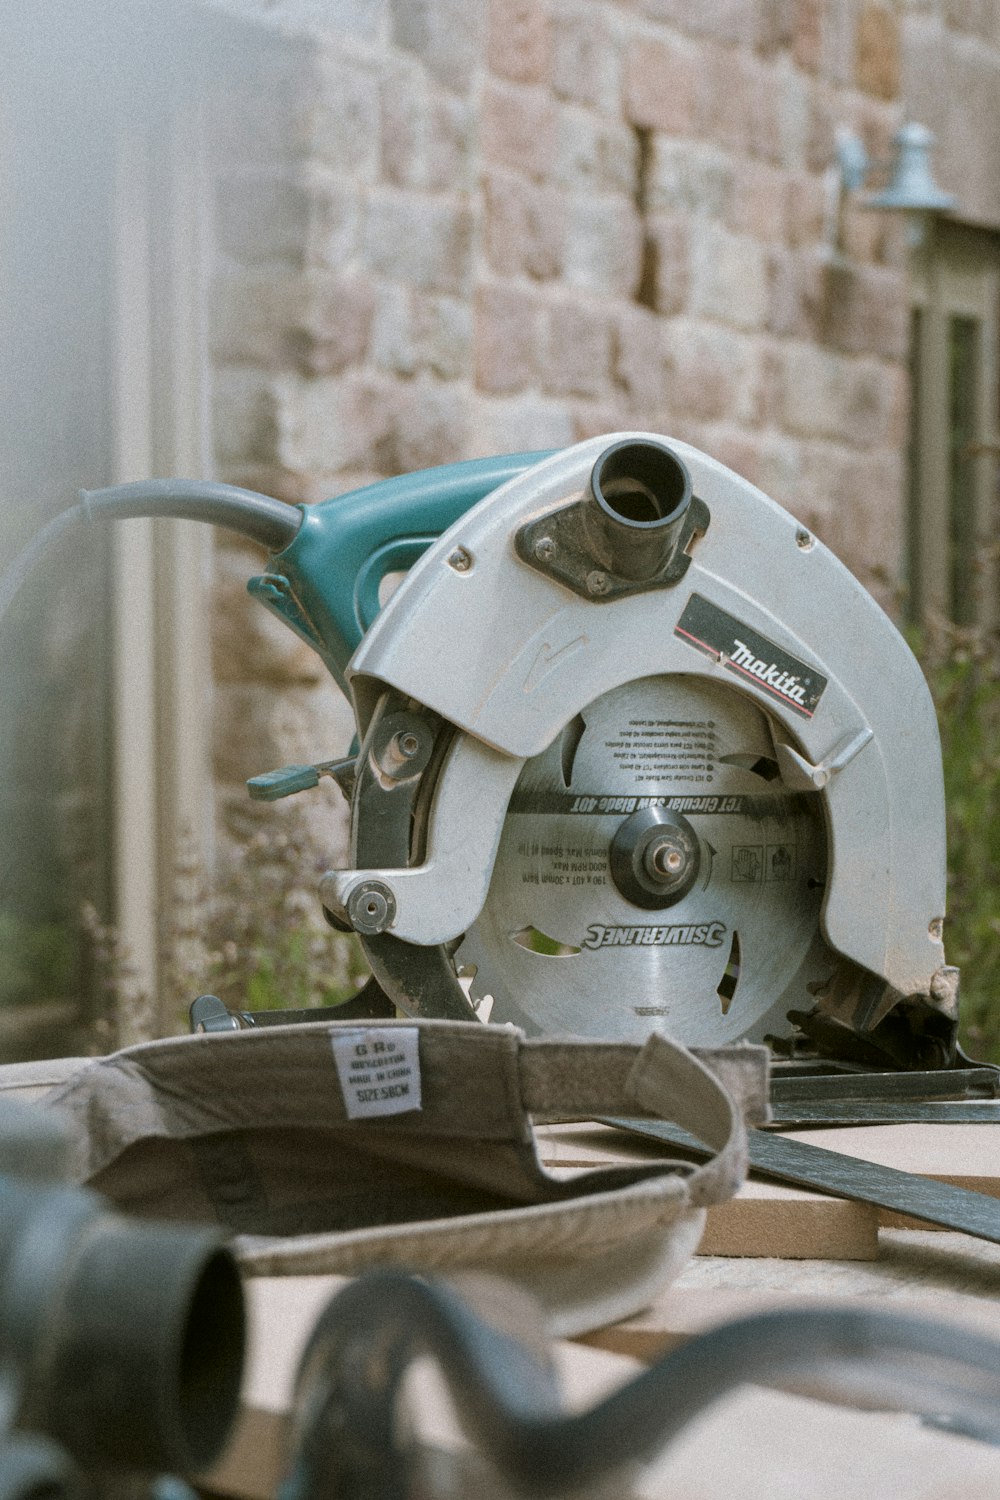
(508, 654)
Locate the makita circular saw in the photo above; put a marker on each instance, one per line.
(635, 751)
(638, 752)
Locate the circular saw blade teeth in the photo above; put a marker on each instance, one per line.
(560, 948)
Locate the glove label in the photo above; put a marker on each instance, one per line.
(379, 1069)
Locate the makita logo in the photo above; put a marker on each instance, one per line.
(774, 677)
(704, 934)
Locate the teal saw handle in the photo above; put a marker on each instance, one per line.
(325, 583)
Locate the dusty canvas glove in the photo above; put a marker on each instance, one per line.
(335, 1147)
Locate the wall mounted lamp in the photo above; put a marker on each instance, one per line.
(910, 190)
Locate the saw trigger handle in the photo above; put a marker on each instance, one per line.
(325, 584)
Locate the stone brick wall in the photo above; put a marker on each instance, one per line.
(950, 79)
(448, 228)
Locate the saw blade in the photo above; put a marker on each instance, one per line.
(653, 873)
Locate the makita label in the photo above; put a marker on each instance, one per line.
(750, 656)
(700, 934)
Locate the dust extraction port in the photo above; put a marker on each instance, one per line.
(639, 493)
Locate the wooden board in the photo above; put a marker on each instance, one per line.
(966, 1156)
(768, 1219)
(774, 1219)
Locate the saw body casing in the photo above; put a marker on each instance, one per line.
(508, 655)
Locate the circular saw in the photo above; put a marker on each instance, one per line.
(637, 752)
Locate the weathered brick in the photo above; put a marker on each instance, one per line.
(336, 422)
(867, 310)
(863, 522)
(806, 208)
(354, 20)
(840, 21)
(666, 270)
(775, 27)
(345, 131)
(926, 71)
(792, 118)
(335, 226)
(975, 17)
(426, 134)
(861, 232)
(596, 418)
(450, 131)
(603, 249)
(519, 424)
(449, 37)
(711, 373)
(424, 241)
(834, 396)
(245, 416)
(825, 116)
(738, 102)
(687, 177)
(660, 85)
(967, 157)
(433, 425)
(517, 129)
(315, 320)
(637, 356)
(393, 342)
(507, 333)
(525, 227)
(779, 470)
(758, 201)
(403, 125)
(807, 37)
(729, 277)
(443, 332)
(520, 40)
(797, 293)
(586, 61)
(731, 21)
(578, 350)
(593, 155)
(741, 451)
(878, 51)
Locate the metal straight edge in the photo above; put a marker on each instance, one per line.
(846, 1177)
(941, 1083)
(889, 1112)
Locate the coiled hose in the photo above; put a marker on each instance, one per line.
(507, 1399)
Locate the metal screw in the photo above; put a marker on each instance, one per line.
(545, 549)
(667, 860)
(371, 907)
(407, 744)
(804, 539)
(597, 582)
(460, 560)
